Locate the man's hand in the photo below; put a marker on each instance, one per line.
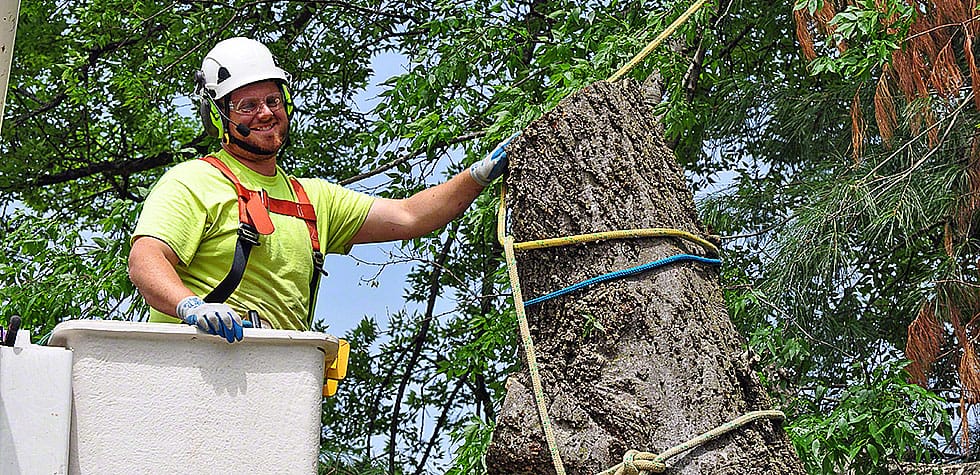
(214, 318)
(493, 165)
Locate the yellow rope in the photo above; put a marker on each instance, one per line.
(532, 361)
(502, 214)
(635, 462)
(591, 237)
(656, 41)
(623, 234)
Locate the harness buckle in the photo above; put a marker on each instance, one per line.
(318, 263)
(248, 233)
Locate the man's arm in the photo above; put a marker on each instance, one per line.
(423, 212)
(152, 266)
(432, 208)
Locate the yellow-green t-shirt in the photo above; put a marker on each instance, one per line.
(194, 210)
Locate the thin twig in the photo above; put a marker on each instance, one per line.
(930, 30)
(408, 156)
(757, 233)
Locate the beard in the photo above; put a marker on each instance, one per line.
(260, 147)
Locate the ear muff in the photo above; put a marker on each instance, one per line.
(287, 99)
(210, 118)
(287, 102)
(207, 110)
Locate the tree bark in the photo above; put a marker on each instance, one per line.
(645, 362)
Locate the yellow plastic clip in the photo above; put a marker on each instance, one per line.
(337, 370)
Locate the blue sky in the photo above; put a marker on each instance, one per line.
(348, 294)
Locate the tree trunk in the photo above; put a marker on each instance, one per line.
(645, 362)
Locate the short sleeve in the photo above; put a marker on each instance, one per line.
(173, 213)
(340, 213)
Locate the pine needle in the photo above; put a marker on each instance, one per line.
(972, 63)
(902, 69)
(948, 239)
(964, 425)
(969, 367)
(973, 171)
(946, 78)
(857, 128)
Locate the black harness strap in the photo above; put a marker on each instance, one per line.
(247, 237)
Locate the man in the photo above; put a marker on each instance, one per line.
(205, 217)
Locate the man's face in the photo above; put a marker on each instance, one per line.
(252, 106)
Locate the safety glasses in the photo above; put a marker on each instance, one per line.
(250, 105)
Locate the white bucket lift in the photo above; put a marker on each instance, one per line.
(166, 398)
(35, 407)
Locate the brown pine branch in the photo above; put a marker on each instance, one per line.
(884, 105)
(925, 338)
(964, 23)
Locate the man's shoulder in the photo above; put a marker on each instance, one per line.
(191, 171)
(318, 186)
(325, 192)
(189, 180)
(196, 165)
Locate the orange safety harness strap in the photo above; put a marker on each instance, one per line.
(308, 214)
(254, 220)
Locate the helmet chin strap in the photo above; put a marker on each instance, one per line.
(249, 147)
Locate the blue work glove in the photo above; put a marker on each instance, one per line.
(493, 165)
(213, 318)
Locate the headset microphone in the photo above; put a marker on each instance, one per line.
(242, 130)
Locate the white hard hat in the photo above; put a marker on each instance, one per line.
(236, 62)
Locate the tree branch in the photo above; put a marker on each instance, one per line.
(124, 167)
(408, 156)
(443, 417)
(417, 343)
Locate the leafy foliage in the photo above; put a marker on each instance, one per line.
(834, 235)
(473, 440)
(874, 32)
(870, 425)
(55, 270)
